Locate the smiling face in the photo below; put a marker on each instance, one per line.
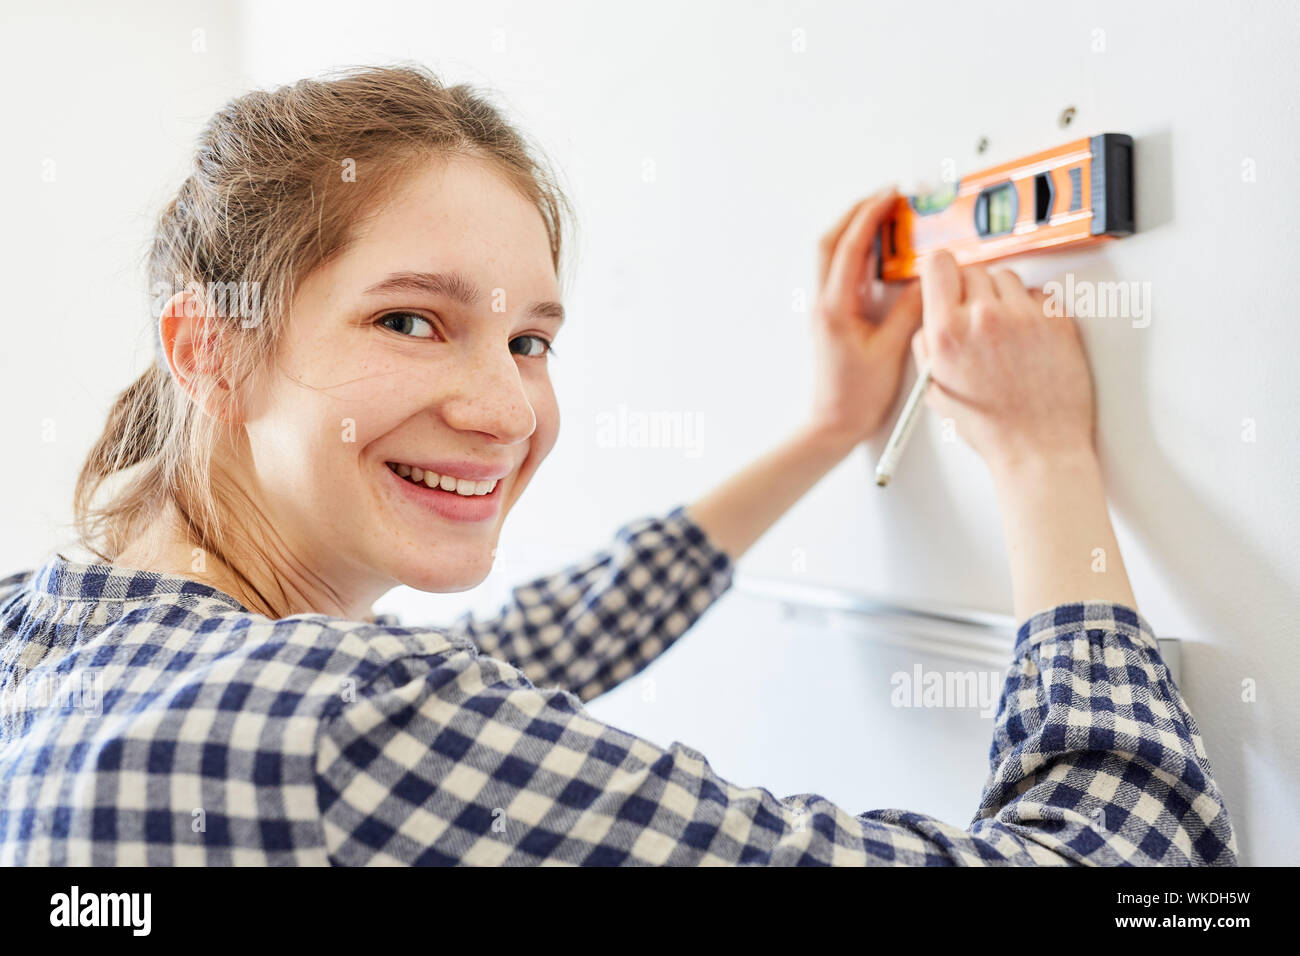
(423, 346)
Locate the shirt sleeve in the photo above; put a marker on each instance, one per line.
(459, 759)
(593, 625)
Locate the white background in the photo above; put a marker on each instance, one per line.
(684, 299)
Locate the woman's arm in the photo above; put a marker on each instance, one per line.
(861, 343)
(449, 757)
(1060, 541)
(589, 627)
(594, 624)
(1014, 380)
(736, 513)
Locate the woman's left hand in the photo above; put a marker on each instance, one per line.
(862, 339)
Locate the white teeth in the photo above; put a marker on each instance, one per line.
(431, 479)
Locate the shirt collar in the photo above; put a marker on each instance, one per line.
(68, 580)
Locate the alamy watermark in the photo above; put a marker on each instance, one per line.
(70, 693)
(630, 428)
(242, 300)
(947, 689)
(130, 910)
(1086, 299)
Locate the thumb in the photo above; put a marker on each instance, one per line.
(941, 280)
(919, 352)
(904, 318)
(934, 398)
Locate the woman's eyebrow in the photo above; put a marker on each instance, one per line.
(455, 286)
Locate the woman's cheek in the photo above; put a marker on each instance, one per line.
(372, 405)
(547, 410)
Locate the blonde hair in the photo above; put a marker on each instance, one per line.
(270, 199)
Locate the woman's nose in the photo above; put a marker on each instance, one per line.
(487, 395)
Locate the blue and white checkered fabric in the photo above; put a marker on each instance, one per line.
(150, 719)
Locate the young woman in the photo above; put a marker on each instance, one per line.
(370, 414)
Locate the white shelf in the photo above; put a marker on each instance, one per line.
(955, 633)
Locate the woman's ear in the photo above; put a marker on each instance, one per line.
(194, 346)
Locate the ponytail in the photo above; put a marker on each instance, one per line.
(132, 436)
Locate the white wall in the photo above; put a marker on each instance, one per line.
(684, 301)
(102, 106)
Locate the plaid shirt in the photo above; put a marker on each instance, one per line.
(150, 719)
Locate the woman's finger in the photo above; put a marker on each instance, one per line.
(1039, 297)
(904, 318)
(826, 248)
(941, 282)
(870, 273)
(921, 355)
(978, 284)
(919, 352)
(849, 260)
(1008, 284)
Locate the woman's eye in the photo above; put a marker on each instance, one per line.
(417, 326)
(408, 323)
(531, 347)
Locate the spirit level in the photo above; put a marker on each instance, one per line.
(1074, 195)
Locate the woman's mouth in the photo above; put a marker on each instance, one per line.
(465, 487)
(457, 499)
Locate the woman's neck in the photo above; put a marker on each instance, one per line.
(247, 573)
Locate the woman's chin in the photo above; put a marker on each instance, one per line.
(445, 580)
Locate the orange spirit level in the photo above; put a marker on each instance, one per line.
(1075, 195)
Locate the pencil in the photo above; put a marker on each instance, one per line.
(902, 429)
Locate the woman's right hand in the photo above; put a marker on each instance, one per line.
(1013, 379)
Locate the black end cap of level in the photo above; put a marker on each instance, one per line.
(1112, 184)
